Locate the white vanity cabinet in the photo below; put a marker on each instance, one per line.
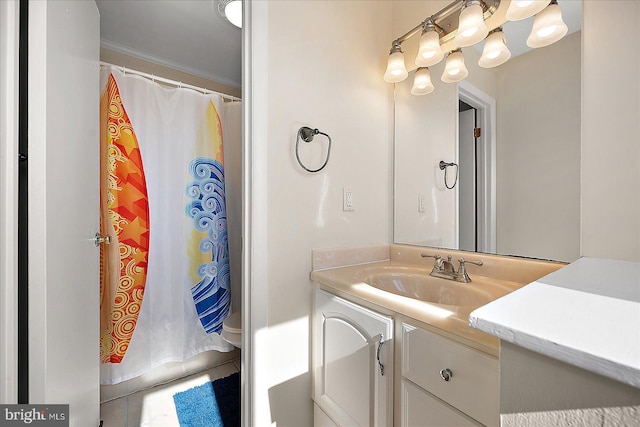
(446, 383)
(352, 364)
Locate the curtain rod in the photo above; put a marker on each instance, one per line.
(175, 83)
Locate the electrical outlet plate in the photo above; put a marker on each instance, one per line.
(422, 203)
(347, 199)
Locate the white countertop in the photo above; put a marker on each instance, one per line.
(586, 314)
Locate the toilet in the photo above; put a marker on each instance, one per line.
(232, 329)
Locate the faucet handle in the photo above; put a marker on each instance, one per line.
(463, 261)
(436, 263)
(462, 271)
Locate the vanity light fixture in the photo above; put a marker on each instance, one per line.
(454, 68)
(422, 84)
(396, 70)
(471, 26)
(430, 52)
(548, 27)
(523, 9)
(495, 50)
(463, 23)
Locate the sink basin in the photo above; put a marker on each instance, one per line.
(417, 284)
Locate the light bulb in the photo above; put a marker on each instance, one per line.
(495, 50)
(233, 12)
(454, 69)
(422, 84)
(523, 9)
(548, 27)
(429, 52)
(471, 26)
(396, 70)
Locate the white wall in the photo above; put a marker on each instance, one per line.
(319, 64)
(610, 204)
(538, 152)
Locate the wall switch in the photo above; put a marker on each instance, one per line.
(347, 199)
(422, 203)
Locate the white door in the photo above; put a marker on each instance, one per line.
(467, 180)
(353, 362)
(63, 162)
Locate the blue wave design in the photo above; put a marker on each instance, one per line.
(207, 208)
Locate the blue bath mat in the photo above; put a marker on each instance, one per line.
(214, 404)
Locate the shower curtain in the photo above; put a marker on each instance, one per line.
(165, 278)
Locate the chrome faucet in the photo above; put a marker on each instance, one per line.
(445, 270)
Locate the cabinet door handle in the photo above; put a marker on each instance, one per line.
(446, 374)
(380, 365)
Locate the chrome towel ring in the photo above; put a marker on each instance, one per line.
(307, 134)
(443, 166)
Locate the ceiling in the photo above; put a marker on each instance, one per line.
(186, 35)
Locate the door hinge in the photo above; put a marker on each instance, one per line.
(476, 132)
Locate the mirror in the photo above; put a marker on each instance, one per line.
(515, 189)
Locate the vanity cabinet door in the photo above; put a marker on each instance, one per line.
(420, 408)
(352, 362)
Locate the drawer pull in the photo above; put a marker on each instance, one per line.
(446, 374)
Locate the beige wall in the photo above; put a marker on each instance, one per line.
(318, 64)
(538, 152)
(611, 131)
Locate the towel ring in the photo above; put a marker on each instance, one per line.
(443, 166)
(307, 134)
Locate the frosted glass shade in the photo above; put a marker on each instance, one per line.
(233, 12)
(548, 27)
(422, 84)
(523, 9)
(454, 69)
(471, 26)
(495, 51)
(396, 70)
(429, 52)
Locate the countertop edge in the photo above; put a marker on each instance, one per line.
(526, 318)
(610, 369)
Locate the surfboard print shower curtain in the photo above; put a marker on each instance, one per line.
(165, 277)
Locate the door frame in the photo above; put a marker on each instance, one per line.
(9, 131)
(486, 184)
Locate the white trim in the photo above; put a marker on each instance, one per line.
(9, 77)
(107, 44)
(486, 107)
(255, 256)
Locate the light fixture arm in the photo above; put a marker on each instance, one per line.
(489, 8)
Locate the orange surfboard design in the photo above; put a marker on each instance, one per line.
(124, 216)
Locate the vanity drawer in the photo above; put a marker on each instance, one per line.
(474, 386)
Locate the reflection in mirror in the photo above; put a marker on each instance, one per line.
(518, 185)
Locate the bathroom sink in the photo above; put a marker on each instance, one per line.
(416, 283)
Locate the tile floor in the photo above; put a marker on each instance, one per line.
(154, 407)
